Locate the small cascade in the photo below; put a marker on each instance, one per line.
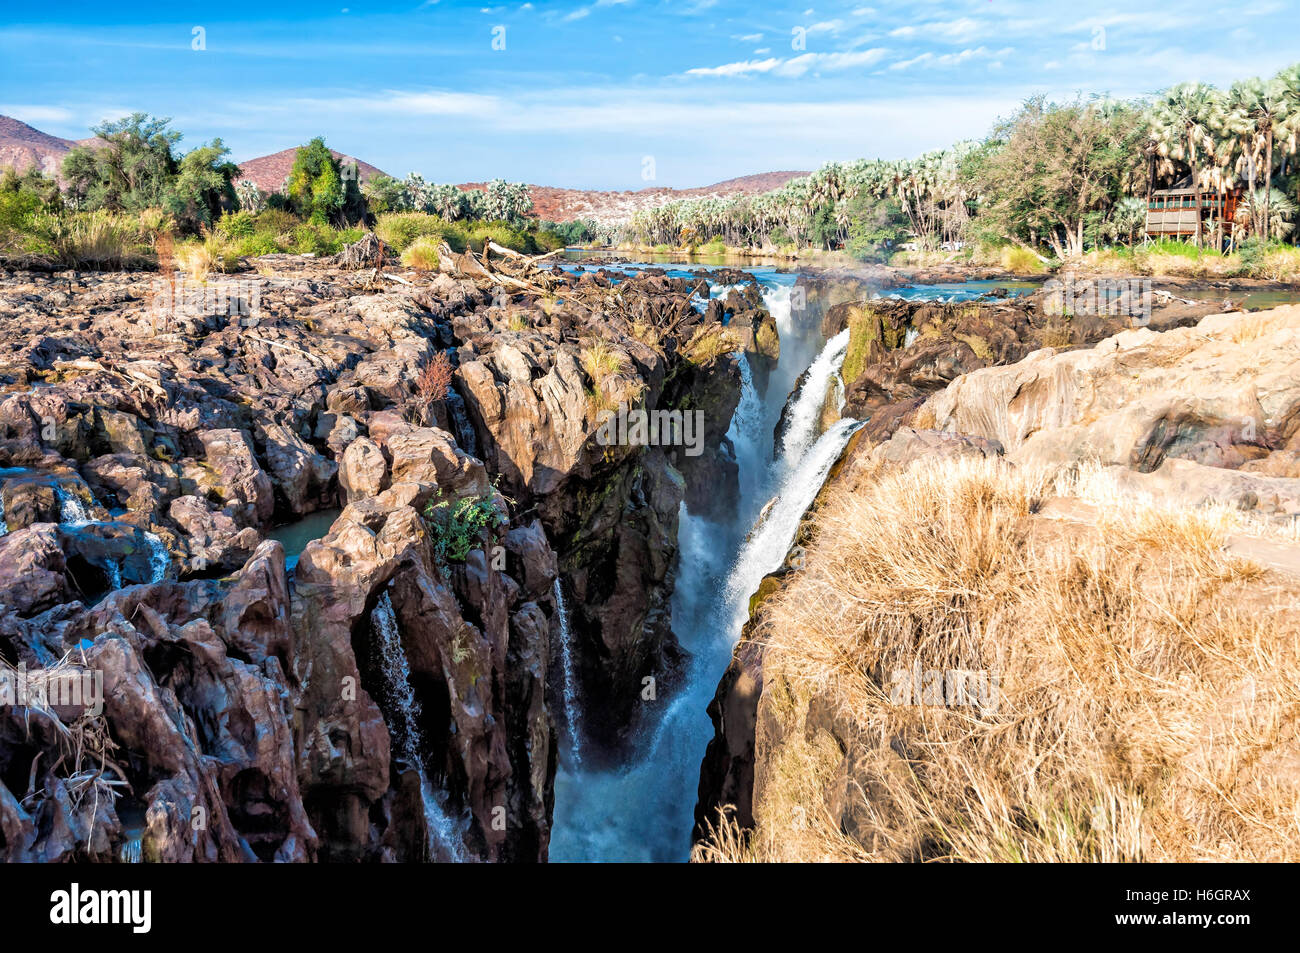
(132, 849)
(159, 559)
(805, 415)
(465, 436)
(840, 396)
(72, 511)
(570, 682)
(403, 716)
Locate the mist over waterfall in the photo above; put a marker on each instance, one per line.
(644, 810)
(403, 716)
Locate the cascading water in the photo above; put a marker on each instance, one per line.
(644, 810)
(72, 511)
(132, 850)
(159, 559)
(771, 539)
(73, 514)
(570, 686)
(806, 412)
(403, 725)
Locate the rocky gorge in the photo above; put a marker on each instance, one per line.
(391, 692)
(490, 633)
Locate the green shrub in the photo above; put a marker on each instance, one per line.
(1021, 261)
(399, 230)
(275, 221)
(235, 225)
(479, 233)
(456, 527)
(261, 243)
(312, 238)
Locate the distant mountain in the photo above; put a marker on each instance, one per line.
(268, 173)
(22, 147)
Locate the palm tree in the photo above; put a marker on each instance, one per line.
(1184, 119)
(1260, 109)
(1288, 81)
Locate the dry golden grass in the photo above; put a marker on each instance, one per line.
(201, 258)
(422, 254)
(1148, 685)
(601, 361)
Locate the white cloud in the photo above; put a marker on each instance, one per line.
(963, 28)
(737, 69)
(31, 114)
(947, 60)
(795, 66)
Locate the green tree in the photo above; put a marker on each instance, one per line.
(203, 185)
(383, 193)
(130, 168)
(134, 166)
(1059, 168)
(320, 191)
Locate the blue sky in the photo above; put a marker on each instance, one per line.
(583, 92)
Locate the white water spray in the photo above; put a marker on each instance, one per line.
(159, 559)
(72, 511)
(805, 414)
(771, 538)
(404, 727)
(570, 686)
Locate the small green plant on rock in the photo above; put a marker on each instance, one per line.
(455, 526)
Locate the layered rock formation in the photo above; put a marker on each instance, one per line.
(150, 440)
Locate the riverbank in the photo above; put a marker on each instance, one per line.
(1206, 277)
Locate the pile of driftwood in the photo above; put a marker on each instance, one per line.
(368, 252)
(508, 269)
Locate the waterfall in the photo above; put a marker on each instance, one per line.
(771, 538)
(403, 725)
(748, 431)
(72, 512)
(805, 415)
(777, 301)
(566, 665)
(644, 810)
(132, 849)
(159, 559)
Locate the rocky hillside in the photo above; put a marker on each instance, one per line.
(22, 147)
(269, 173)
(390, 692)
(1043, 610)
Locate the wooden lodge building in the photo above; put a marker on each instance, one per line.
(1175, 213)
